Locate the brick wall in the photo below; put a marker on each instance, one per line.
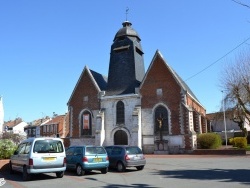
(85, 96)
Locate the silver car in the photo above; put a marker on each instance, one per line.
(39, 155)
(122, 157)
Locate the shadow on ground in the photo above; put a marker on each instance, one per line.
(221, 175)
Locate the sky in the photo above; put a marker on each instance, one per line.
(45, 45)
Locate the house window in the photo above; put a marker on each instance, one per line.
(86, 121)
(120, 112)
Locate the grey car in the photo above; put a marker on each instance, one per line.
(123, 156)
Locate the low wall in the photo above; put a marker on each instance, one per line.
(219, 152)
(4, 165)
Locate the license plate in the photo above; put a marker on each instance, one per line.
(98, 159)
(49, 158)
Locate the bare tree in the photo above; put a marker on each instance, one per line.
(235, 80)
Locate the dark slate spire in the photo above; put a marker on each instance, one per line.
(126, 66)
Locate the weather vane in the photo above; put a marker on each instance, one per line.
(127, 9)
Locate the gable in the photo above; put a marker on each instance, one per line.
(87, 86)
(159, 84)
(168, 76)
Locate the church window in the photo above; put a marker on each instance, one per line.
(85, 98)
(120, 112)
(86, 121)
(159, 92)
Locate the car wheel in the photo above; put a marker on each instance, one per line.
(26, 175)
(59, 174)
(10, 167)
(120, 167)
(79, 170)
(139, 167)
(104, 170)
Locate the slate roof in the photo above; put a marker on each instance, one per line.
(100, 79)
(126, 30)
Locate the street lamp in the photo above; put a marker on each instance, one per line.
(225, 125)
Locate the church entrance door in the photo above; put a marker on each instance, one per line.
(120, 138)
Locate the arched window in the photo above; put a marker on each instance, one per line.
(161, 119)
(86, 123)
(120, 112)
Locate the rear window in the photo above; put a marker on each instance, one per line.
(95, 150)
(48, 146)
(133, 150)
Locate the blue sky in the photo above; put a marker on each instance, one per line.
(44, 46)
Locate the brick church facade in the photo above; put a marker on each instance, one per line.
(154, 110)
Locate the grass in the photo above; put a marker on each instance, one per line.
(248, 147)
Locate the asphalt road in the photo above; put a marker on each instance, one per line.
(173, 171)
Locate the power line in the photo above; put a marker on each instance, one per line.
(218, 59)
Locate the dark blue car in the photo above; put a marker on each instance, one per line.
(87, 158)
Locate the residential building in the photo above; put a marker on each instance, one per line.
(1, 115)
(55, 127)
(33, 128)
(15, 126)
(218, 124)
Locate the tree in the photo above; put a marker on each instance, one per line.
(236, 84)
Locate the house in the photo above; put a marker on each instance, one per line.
(1, 115)
(15, 126)
(33, 128)
(57, 126)
(218, 124)
(153, 109)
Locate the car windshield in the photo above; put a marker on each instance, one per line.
(48, 146)
(95, 150)
(133, 150)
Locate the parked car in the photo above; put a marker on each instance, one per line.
(121, 157)
(87, 158)
(39, 155)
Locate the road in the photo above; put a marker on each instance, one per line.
(175, 171)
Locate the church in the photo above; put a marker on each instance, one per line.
(152, 109)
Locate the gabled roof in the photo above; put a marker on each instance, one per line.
(178, 79)
(13, 123)
(55, 120)
(98, 80)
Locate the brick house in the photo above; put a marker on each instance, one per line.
(57, 126)
(154, 110)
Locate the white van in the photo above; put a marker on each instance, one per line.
(39, 155)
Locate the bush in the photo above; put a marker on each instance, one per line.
(7, 148)
(240, 142)
(231, 141)
(16, 138)
(209, 141)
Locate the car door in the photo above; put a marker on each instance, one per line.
(19, 158)
(116, 155)
(69, 158)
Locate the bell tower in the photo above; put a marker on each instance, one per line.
(126, 66)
